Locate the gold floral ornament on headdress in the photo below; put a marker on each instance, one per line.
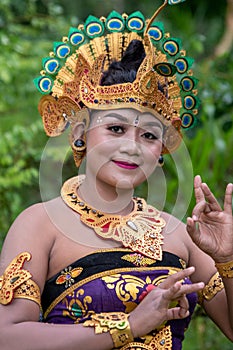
(71, 75)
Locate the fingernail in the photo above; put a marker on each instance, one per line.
(194, 217)
(190, 269)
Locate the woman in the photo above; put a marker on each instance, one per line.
(110, 270)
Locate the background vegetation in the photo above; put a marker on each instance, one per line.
(27, 30)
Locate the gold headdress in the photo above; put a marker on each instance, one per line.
(71, 75)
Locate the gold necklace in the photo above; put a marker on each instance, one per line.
(139, 231)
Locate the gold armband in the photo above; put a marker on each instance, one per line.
(214, 286)
(17, 283)
(225, 269)
(116, 323)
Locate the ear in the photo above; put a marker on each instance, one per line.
(78, 131)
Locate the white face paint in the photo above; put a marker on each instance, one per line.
(123, 147)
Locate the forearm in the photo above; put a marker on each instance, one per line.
(225, 270)
(228, 284)
(42, 336)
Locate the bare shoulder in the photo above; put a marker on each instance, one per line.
(32, 224)
(32, 232)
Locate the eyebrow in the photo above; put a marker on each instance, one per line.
(125, 120)
(117, 116)
(156, 124)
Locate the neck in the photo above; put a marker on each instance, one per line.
(105, 197)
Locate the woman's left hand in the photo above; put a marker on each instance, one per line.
(210, 227)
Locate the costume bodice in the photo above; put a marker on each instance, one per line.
(110, 281)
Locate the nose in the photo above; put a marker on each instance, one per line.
(130, 145)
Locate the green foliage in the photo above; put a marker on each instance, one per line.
(27, 30)
(204, 334)
(23, 28)
(20, 153)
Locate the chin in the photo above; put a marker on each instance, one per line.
(121, 180)
(124, 184)
(129, 183)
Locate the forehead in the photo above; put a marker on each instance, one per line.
(125, 115)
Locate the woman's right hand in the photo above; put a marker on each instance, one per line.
(155, 308)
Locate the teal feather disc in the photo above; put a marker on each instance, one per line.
(189, 102)
(183, 64)
(44, 84)
(93, 27)
(187, 120)
(76, 36)
(51, 65)
(156, 31)
(61, 49)
(115, 22)
(165, 69)
(187, 84)
(136, 22)
(171, 46)
(115, 25)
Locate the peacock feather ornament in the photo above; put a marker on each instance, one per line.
(72, 72)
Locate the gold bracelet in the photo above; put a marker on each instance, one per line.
(214, 286)
(225, 269)
(116, 323)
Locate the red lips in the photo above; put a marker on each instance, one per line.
(125, 165)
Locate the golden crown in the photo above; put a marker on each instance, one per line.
(72, 72)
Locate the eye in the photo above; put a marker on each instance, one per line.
(150, 136)
(117, 129)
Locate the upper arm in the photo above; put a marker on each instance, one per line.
(32, 233)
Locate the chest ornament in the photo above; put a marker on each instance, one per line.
(138, 259)
(139, 231)
(67, 276)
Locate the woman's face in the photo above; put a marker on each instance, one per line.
(123, 146)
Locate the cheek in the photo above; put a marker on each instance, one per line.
(153, 151)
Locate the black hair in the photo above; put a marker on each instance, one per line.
(125, 70)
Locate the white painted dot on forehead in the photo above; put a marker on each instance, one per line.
(99, 120)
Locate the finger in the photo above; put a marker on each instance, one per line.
(184, 306)
(176, 277)
(183, 302)
(214, 205)
(177, 313)
(228, 199)
(183, 312)
(197, 189)
(190, 226)
(200, 207)
(180, 311)
(177, 291)
(172, 292)
(192, 229)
